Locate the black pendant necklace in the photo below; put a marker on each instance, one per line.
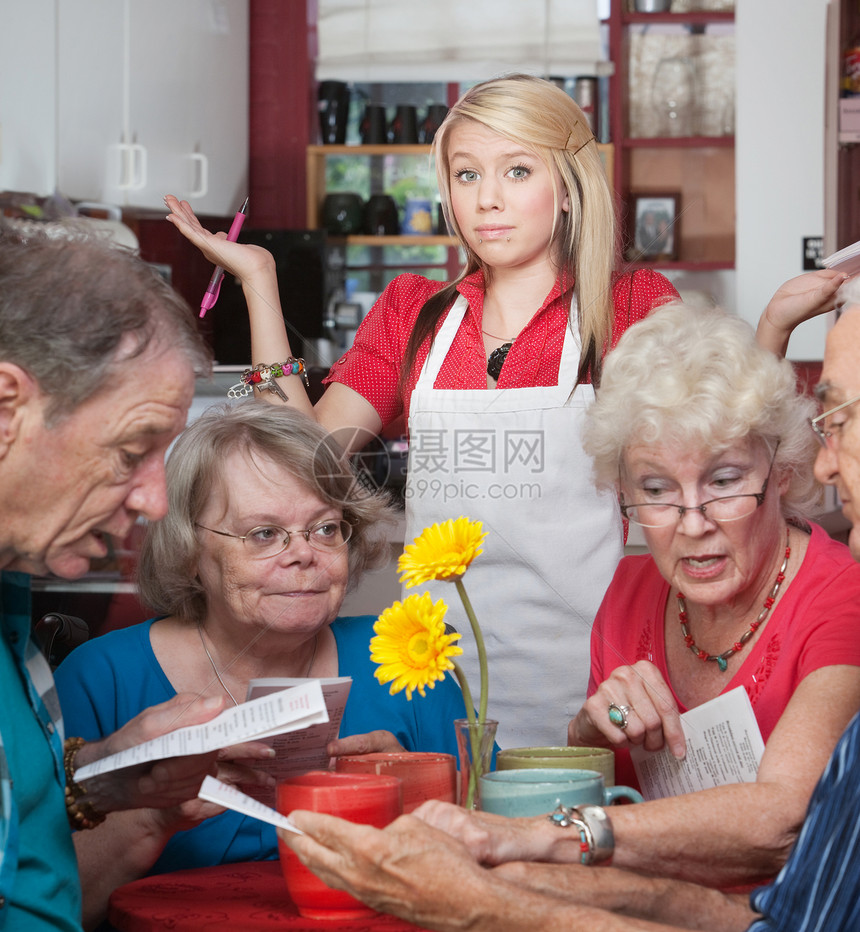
(497, 360)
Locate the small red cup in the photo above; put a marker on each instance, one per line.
(425, 774)
(366, 798)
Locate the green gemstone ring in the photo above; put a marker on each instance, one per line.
(618, 715)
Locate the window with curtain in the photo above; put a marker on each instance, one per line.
(452, 41)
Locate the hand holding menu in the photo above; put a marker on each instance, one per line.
(847, 260)
(283, 711)
(301, 751)
(724, 745)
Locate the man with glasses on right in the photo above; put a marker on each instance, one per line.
(819, 887)
(838, 462)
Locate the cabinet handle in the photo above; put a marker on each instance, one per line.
(131, 166)
(199, 174)
(138, 166)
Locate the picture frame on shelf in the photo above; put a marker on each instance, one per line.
(655, 227)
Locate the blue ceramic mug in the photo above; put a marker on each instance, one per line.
(537, 791)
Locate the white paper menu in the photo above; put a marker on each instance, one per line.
(286, 710)
(223, 794)
(724, 745)
(847, 260)
(298, 752)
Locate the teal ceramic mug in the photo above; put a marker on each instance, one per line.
(537, 791)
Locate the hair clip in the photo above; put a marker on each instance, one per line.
(587, 141)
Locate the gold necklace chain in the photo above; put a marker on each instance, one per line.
(218, 674)
(492, 336)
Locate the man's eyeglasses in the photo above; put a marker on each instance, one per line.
(268, 540)
(828, 434)
(723, 509)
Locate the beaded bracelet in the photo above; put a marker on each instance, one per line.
(276, 370)
(81, 815)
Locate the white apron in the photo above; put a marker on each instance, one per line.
(513, 459)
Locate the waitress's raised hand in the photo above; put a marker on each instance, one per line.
(643, 703)
(244, 260)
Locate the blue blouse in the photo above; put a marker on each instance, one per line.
(110, 679)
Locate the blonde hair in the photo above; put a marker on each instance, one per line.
(539, 116)
(697, 376)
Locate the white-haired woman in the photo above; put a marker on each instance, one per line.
(706, 440)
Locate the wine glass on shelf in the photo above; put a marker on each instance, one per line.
(673, 96)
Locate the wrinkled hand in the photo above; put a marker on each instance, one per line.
(797, 300)
(490, 839)
(653, 719)
(235, 766)
(407, 869)
(371, 742)
(243, 260)
(159, 784)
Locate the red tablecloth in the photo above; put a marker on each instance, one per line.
(251, 897)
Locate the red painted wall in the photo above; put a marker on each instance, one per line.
(282, 109)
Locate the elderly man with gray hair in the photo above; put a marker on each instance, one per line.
(98, 358)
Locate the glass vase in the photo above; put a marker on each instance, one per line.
(673, 96)
(475, 741)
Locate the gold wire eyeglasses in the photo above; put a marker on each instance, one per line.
(268, 540)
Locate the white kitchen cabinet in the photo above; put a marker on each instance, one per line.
(135, 99)
(153, 99)
(27, 83)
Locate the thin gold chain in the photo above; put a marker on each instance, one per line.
(218, 674)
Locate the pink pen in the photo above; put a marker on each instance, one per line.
(214, 286)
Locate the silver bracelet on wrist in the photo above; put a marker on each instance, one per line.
(597, 841)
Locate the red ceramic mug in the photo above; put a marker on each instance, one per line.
(358, 797)
(425, 774)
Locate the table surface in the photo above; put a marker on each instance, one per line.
(251, 897)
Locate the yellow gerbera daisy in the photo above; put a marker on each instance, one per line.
(441, 551)
(411, 646)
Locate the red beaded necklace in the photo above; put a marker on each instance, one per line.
(721, 660)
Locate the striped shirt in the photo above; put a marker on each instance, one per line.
(818, 890)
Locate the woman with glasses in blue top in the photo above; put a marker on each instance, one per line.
(266, 529)
(706, 441)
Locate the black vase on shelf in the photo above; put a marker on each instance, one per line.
(404, 126)
(343, 213)
(380, 216)
(436, 113)
(333, 104)
(373, 128)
